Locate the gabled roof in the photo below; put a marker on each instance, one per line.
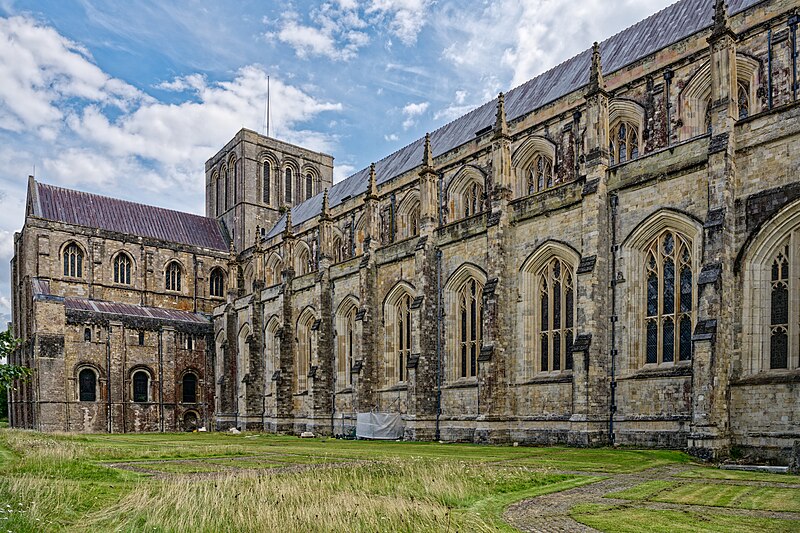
(95, 211)
(668, 26)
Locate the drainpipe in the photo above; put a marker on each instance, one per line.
(793, 25)
(769, 69)
(161, 380)
(108, 382)
(613, 400)
(668, 74)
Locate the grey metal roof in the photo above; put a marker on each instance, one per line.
(668, 26)
(95, 211)
(130, 310)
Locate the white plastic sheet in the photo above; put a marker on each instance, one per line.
(385, 426)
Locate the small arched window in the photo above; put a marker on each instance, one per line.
(470, 328)
(669, 299)
(122, 268)
(743, 100)
(73, 261)
(87, 385)
(217, 283)
(141, 386)
(540, 175)
(87, 334)
(624, 144)
(217, 194)
(189, 388)
(473, 197)
(556, 316)
(235, 169)
(287, 186)
(309, 185)
(267, 183)
(172, 277)
(303, 262)
(141, 338)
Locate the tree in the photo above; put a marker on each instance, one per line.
(9, 374)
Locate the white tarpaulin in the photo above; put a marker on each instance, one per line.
(379, 426)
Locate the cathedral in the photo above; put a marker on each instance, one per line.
(604, 255)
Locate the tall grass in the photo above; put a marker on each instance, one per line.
(409, 495)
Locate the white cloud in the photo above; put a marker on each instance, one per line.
(342, 171)
(334, 32)
(392, 137)
(412, 111)
(43, 73)
(406, 17)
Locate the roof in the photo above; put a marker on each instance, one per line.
(136, 311)
(95, 211)
(668, 26)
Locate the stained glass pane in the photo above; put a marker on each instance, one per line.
(668, 349)
(669, 286)
(686, 339)
(686, 289)
(775, 271)
(778, 349)
(556, 351)
(652, 341)
(623, 155)
(784, 268)
(652, 294)
(669, 244)
(780, 304)
(545, 324)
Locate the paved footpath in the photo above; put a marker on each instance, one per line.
(550, 513)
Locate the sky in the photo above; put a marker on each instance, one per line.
(130, 98)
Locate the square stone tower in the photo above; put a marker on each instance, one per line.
(253, 178)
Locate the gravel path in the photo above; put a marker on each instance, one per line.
(550, 513)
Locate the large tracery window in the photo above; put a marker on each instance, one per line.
(779, 311)
(624, 144)
(73, 261)
(122, 269)
(556, 321)
(470, 328)
(540, 174)
(669, 299)
(402, 335)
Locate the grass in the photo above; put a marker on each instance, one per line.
(739, 475)
(715, 495)
(635, 520)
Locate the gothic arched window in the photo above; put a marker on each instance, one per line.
(189, 386)
(473, 197)
(346, 340)
(226, 185)
(217, 194)
(540, 174)
(217, 283)
(172, 276)
(266, 180)
(304, 351)
(287, 186)
(470, 328)
(669, 303)
(73, 261)
(556, 316)
(122, 268)
(624, 144)
(87, 385)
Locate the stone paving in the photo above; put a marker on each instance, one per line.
(550, 513)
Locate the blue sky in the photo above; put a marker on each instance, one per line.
(129, 99)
